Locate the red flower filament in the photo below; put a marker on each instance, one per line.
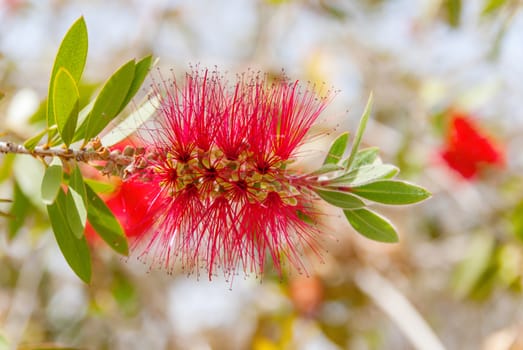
(219, 167)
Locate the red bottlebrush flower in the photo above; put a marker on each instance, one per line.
(224, 195)
(468, 148)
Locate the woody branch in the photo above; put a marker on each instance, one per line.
(82, 155)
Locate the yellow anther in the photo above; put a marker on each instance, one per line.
(293, 190)
(232, 164)
(226, 186)
(217, 154)
(267, 187)
(235, 176)
(206, 163)
(268, 178)
(256, 177)
(292, 201)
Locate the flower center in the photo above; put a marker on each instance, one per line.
(215, 175)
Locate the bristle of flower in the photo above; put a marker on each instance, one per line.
(226, 197)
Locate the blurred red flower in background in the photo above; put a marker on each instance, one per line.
(468, 149)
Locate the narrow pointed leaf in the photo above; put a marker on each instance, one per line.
(104, 223)
(51, 183)
(337, 149)
(364, 174)
(325, 169)
(66, 104)
(361, 129)
(141, 70)
(71, 55)
(76, 213)
(100, 186)
(31, 143)
(366, 156)
(371, 225)
(76, 182)
(340, 199)
(109, 101)
(79, 196)
(392, 192)
(131, 123)
(75, 251)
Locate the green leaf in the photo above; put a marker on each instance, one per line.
(104, 223)
(392, 192)
(100, 186)
(141, 71)
(18, 212)
(79, 196)
(109, 101)
(86, 91)
(33, 141)
(66, 104)
(337, 149)
(371, 225)
(51, 182)
(366, 156)
(325, 169)
(76, 212)
(76, 182)
(82, 117)
(492, 5)
(340, 199)
(453, 9)
(131, 123)
(364, 174)
(75, 251)
(361, 129)
(71, 55)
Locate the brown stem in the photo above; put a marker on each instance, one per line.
(83, 155)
